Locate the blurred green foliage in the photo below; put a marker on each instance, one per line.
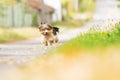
(84, 6)
(87, 5)
(34, 20)
(119, 4)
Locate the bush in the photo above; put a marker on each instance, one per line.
(34, 20)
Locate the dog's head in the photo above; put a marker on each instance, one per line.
(45, 29)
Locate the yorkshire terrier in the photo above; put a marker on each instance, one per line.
(49, 33)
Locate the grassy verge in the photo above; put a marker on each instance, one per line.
(15, 34)
(95, 38)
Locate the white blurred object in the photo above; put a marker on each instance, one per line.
(57, 5)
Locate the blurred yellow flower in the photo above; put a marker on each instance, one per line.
(103, 32)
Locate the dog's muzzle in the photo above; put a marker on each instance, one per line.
(46, 33)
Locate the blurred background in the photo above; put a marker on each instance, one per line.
(20, 13)
(19, 19)
(93, 55)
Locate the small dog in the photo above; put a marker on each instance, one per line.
(49, 33)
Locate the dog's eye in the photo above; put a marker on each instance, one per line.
(48, 29)
(42, 29)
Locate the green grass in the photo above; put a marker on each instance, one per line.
(92, 40)
(16, 34)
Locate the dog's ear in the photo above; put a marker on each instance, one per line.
(56, 29)
(39, 24)
(50, 26)
(42, 23)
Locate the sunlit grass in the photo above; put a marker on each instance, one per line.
(96, 37)
(16, 34)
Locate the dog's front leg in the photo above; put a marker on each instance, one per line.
(51, 42)
(45, 43)
(56, 40)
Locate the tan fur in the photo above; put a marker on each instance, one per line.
(50, 40)
(49, 37)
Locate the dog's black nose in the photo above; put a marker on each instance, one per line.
(46, 33)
